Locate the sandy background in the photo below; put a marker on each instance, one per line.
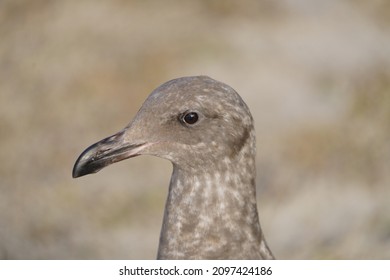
(316, 75)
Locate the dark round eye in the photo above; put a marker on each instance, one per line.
(190, 118)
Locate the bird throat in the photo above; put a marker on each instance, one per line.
(212, 215)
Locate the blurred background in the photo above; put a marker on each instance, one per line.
(315, 74)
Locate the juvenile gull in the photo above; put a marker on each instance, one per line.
(206, 130)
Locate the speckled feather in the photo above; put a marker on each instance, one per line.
(211, 209)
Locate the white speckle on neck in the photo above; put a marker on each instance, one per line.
(217, 176)
(204, 221)
(208, 186)
(193, 190)
(227, 161)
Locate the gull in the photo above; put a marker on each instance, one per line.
(206, 130)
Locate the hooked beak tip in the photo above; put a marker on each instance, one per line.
(105, 152)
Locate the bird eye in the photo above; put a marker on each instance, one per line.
(190, 118)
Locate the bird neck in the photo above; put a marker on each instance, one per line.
(212, 215)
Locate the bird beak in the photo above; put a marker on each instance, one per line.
(105, 152)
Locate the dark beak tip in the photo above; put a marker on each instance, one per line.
(75, 174)
(76, 171)
(78, 167)
(81, 171)
(83, 165)
(82, 168)
(103, 153)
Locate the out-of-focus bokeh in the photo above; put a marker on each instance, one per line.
(315, 74)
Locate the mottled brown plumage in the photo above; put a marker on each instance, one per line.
(206, 130)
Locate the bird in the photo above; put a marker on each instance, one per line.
(206, 130)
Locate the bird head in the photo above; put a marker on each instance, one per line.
(191, 121)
